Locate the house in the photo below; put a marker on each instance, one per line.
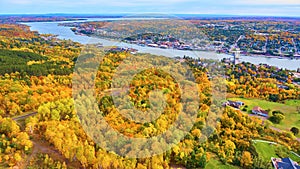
(284, 163)
(283, 87)
(153, 45)
(240, 103)
(164, 46)
(235, 104)
(259, 111)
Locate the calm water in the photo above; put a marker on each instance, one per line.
(66, 33)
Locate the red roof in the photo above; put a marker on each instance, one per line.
(256, 108)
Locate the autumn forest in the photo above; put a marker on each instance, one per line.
(46, 122)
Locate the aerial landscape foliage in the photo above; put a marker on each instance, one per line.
(41, 127)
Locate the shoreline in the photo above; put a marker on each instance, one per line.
(210, 51)
(65, 33)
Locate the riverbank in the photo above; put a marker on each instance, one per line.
(226, 55)
(67, 33)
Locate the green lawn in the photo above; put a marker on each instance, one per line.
(294, 157)
(266, 151)
(215, 164)
(293, 102)
(292, 117)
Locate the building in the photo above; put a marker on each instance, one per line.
(283, 87)
(153, 45)
(259, 111)
(236, 55)
(240, 103)
(284, 163)
(235, 104)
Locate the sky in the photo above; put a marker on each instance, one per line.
(226, 7)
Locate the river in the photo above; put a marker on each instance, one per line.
(66, 33)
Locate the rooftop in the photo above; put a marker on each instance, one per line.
(284, 163)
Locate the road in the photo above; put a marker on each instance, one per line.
(279, 130)
(40, 146)
(264, 141)
(236, 43)
(43, 147)
(21, 117)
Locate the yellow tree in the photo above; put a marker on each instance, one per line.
(229, 148)
(246, 159)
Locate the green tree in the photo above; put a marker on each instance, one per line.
(295, 130)
(277, 118)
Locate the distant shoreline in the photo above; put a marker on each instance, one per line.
(229, 54)
(284, 63)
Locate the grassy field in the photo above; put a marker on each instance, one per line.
(293, 102)
(292, 117)
(213, 163)
(266, 151)
(294, 157)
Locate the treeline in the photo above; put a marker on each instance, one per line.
(32, 18)
(261, 81)
(19, 61)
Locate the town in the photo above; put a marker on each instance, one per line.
(252, 37)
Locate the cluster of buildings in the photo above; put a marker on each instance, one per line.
(256, 110)
(176, 44)
(221, 34)
(120, 49)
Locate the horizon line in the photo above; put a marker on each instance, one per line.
(153, 13)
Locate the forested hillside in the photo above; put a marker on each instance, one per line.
(42, 124)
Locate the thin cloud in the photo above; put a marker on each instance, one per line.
(266, 2)
(262, 7)
(132, 3)
(21, 2)
(101, 2)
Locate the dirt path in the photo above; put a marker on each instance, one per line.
(40, 146)
(44, 147)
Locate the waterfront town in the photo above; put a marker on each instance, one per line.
(270, 37)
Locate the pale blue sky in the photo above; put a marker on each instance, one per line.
(236, 7)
